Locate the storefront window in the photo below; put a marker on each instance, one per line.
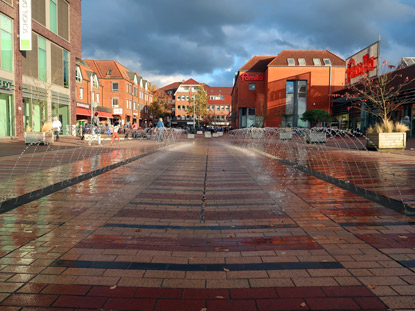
(62, 111)
(6, 44)
(6, 115)
(35, 114)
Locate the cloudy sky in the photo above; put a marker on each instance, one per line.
(209, 40)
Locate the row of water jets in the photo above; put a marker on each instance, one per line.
(39, 166)
(339, 155)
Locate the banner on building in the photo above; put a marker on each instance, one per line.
(25, 22)
(364, 62)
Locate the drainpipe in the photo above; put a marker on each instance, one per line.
(329, 89)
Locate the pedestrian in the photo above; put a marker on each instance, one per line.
(160, 130)
(95, 129)
(56, 126)
(135, 130)
(115, 132)
(407, 122)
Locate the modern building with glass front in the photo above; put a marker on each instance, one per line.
(272, 91)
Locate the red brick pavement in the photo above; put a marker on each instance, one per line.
(318, 247)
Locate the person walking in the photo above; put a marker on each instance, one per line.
(56, 126)
(115, 132)
(160, 130)
(95, 129)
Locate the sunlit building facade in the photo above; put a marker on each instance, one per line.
(272, 91)
(36, 71)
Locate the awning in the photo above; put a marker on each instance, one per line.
(87, 112)
(104, 114)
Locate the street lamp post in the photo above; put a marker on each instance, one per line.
(194, 112)
(92, 101)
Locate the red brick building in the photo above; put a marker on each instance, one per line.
(36, 74)
(124, 91)
(219, 104)
(87, 93)
(274, 91)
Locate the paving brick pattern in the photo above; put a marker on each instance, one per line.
(205, 226)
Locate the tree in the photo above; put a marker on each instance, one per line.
(379, 96)
(159, 105)
(314, 116)
(200, 104)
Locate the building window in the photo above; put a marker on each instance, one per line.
(317, 61)
(97, 97)
(291, 61)
(65, 68)
(296, 103)
(301, 62)
(78, 75)
(252, 86)
(95, 81)
(53, 16)
(42, 58)
(222, 107)
(6, 44)
(114, 86)
(227, 107)
(81, 93)
(109, 72)
(114, 102)
(327, 61)
(183, 97)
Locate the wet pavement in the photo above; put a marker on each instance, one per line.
(206, 225)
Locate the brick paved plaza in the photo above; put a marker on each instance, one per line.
(200, 225)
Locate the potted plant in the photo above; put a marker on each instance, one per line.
(387, 135)
(286, 133)
(314, 116)
(44, 137)
(380, 97)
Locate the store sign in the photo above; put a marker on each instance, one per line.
(5, 84)
(117, 111)
(247, 77)
(25, 22)
(82, 105)
(364, 62)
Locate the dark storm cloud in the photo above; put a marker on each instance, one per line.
(198, 37)
(172, 36)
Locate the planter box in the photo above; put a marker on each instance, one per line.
(316, 137)
(199, 132)
(208, 135)
(386, 141)
(215, 135)
(286, 135)
(190, 136)
(44, 138)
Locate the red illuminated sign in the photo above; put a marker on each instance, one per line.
(247, 77)
(355, 70)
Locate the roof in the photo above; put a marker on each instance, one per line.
(308, 55)
(171, 86)
(257, 63)
(102, 67)
(190, 82)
